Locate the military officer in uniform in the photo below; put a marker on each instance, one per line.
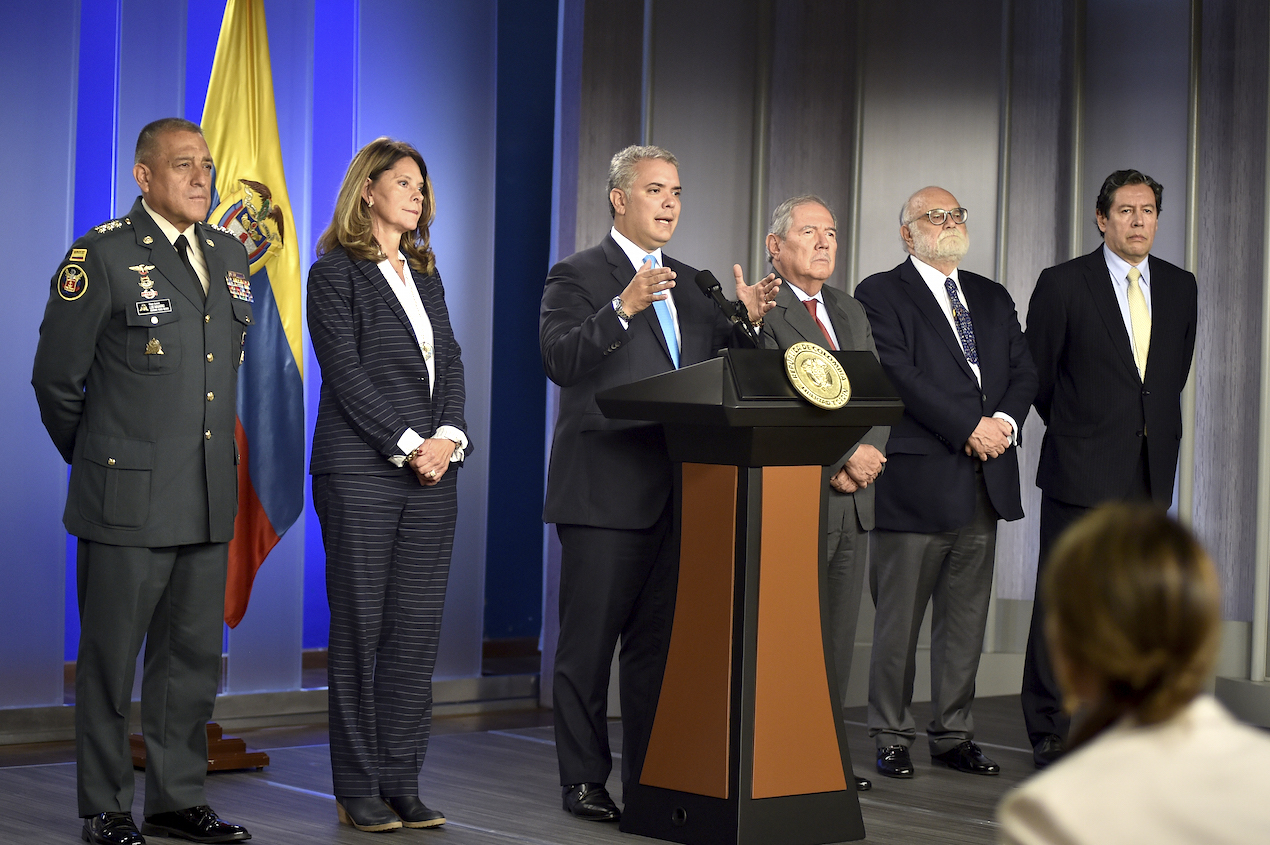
(136, 375)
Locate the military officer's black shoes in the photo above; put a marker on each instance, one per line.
(195, 824)
(112, 829)
(591, 801)
(863, 784)
(967, 757)
(894, 762)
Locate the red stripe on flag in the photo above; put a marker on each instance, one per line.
(254, 537)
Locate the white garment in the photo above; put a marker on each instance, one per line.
(1200, 777)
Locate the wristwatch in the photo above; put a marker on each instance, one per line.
(617, 306)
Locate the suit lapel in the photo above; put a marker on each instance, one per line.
(915, 286)
(164, 258)
(838, 316)
(216, 266)
(622, 273)
(371, 273)
(1103, 293)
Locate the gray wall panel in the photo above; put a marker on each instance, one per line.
(931, 113)
(812, 96)
(703, 112)
(1040, 155)
(1227, 367)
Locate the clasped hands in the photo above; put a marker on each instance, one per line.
(653, 283)
(860, 470)
(990, 438)
(432, 459)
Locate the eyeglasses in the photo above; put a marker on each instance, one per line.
(937, 216)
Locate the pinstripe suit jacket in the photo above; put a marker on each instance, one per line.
(789, 323)
(374, 377)
(1092, 400)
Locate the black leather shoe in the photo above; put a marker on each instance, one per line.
(369, 814)
(415, 813)
(967, 758)
(1049, 749)
(112, 829)
(196, 824)
(591, 801)
(863, 785)
(894, 762)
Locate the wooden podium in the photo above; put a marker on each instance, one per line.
(747, 745)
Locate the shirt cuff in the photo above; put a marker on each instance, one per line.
(1014, 427)
(449, 432)
(407, 444)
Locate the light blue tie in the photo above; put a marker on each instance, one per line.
(666, 320)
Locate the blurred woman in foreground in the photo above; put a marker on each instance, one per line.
(1133, 626)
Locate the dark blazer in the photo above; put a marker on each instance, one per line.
(374, 377)
(612, 473)
(929, 483)
(1095, 406)
(789, 323)
(138, 392)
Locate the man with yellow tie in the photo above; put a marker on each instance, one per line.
(1112, 334)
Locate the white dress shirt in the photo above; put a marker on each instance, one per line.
(195, 252)
(412, 304)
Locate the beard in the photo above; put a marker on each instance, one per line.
(943, 245)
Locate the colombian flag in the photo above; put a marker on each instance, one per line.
(250, 200)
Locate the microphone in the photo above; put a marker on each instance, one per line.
(734, 311)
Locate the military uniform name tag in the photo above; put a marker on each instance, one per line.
(159, 306)
(239, 286)
(817, 375)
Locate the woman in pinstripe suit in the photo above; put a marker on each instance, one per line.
(390, 429)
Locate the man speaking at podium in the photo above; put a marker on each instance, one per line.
(611, 315)
(802, 244)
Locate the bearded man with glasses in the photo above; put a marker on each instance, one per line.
(951, 344)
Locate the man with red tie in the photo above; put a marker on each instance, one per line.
(802, 244)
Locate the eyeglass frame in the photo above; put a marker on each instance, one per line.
(947, 213)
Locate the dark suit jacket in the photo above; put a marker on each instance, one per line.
(374, 377)
(138, 392)
(789, 323)
(1094, 405)
(929, 483)
(612, 473)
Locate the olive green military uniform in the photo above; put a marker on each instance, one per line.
(136, 378)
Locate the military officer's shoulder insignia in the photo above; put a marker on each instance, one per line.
(79, 254)
(112, 225)
(72, 281)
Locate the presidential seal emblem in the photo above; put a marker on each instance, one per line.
(817, 376)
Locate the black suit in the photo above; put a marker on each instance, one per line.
(937, 507)
(1109, 434)
(136, 378)
(850, 515)
(609, 493)
(387, 538)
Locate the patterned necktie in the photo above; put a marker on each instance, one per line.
(183, 250)
(666, 320)
(810, 304)
(1140, 320)
(961, 317)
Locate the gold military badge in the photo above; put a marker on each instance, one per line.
(817, 376)
(72, 282)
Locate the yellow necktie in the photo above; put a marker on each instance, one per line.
(1140, 319)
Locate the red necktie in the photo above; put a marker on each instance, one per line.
(811, 309)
